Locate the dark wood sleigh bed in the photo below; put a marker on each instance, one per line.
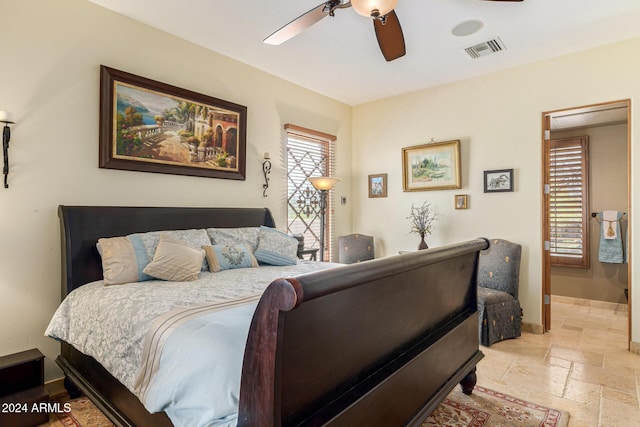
(379, 343)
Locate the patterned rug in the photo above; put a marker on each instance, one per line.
(484, 408)
(488, 408)
(83, 413)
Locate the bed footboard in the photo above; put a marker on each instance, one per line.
(379, 343)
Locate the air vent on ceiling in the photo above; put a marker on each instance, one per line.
(485, 48)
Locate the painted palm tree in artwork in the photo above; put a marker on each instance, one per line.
(186, 113)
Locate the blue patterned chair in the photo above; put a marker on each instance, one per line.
(355, 248)
(500, 315)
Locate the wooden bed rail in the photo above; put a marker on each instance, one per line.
(371, 344)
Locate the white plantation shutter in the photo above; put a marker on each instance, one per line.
(568, 202)
(309, 154)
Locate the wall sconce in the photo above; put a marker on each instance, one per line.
(7, 119)
(266, 170)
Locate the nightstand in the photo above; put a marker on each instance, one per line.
(22, 386)
(311, 252)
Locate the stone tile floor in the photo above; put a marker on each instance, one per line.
(582, 366)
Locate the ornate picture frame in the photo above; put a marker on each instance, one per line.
(378, 185)
(149, 126)
(498, 180)
(433, 166)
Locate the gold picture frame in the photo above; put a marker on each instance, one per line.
(378, 185)
(433, 166)
(461, 201)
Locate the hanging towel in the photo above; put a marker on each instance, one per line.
(610, 250)
(609, 219)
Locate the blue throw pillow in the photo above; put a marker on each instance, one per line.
(227, 257)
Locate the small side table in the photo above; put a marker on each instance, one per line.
(311, 252)
(22, 387)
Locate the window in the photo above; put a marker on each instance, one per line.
(309, 154)
(568, 202)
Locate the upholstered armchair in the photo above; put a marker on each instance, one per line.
(500, 315)
(355, 248)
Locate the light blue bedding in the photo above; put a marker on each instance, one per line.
(198, 380)
(211, 344)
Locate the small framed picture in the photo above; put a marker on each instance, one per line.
(378, 185)
(498, 180)
(462, 201)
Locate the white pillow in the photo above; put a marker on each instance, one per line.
(235, 236)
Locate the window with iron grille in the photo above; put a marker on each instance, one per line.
(568, 202)
(309, 154)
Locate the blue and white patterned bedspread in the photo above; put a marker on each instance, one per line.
(109, 323)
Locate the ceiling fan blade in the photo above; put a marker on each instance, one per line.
(390, 37)
(298, 25)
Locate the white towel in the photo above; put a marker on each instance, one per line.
(608, 224)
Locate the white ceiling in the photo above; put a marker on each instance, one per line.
(339, 56)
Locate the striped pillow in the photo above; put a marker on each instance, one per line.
(123, 259)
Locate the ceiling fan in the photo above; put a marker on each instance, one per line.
(385, 23)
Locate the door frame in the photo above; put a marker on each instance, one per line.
(546, 232)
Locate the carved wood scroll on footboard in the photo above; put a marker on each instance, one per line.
(379, 343)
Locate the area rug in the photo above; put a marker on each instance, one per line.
(484, 408)
(82, 413)
(488, 408)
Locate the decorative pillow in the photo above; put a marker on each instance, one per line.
(175, 260)
(123, 259)
(235, 236)
(222, 257)
(194, 237)
(276, 247)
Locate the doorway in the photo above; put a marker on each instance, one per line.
(573, 263)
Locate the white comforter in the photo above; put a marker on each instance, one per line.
(109, 323)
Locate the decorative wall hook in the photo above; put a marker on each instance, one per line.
(266, 170)
(6, 118)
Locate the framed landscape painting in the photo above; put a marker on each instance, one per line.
(433, 166)
(150, 126)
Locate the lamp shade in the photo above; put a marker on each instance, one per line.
(6, 117)
(367, 7)
(323, 182)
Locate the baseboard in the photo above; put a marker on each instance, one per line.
(590, 303)
(532, 328)
(55, 387)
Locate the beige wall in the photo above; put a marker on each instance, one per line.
(608, 190)
(498, 120)
(49, 78)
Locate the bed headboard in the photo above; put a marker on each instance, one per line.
(82, 226)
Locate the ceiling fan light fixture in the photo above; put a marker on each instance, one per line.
(373, 8)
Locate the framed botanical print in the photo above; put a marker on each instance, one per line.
(378, 185)
(461, 201)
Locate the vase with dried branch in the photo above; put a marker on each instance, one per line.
(422, 219)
